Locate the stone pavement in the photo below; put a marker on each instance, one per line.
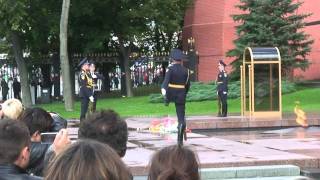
(227, 147)
(224, 152)
(233, 121)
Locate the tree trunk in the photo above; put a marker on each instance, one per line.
(22, 67)
(65, 66)
(125, 51)
(128, 76)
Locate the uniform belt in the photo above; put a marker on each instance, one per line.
(177, 86)
(89, 86)
(219, 82)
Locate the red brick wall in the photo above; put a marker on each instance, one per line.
(210, 23)
(313, 72)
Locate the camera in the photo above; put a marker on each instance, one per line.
(48, 137)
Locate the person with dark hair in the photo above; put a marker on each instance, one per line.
(14, 151)
(175, 88)
(174, 162)
(87, 159)
(222, 90)
(38, 121)
(107, 127)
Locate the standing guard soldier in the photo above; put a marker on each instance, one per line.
(222, 90)
(95, 76)
(175, 88)
(86, 87)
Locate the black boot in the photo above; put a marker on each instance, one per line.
(180, 135)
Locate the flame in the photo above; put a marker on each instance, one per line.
(301, 115)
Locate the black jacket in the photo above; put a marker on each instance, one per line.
(58, 122)
(16, 86)
(13, 172)
(177, 75)
(37, 154)
(95, 80)
(222, 82)
(86, 84)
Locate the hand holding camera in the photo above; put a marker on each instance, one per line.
(61, 141)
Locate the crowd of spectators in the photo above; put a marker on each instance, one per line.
(95, 155)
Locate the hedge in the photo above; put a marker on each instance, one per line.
(207, 91)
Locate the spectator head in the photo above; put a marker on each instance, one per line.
(14, 143)
(37, 121)
(107, 127)
(12, 109)
(174, 162)
(87, 159)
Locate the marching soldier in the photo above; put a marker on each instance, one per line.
(86, 87)
(222, 90)
(175, 88)
(95, 76)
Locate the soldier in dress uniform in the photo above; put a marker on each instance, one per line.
(95, 76)
(175, 88)
(86, 87)
(222, 90)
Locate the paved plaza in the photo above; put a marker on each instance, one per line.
(276, 145)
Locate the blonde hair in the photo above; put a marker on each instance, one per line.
(12, 108)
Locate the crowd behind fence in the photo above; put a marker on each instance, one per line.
(143, 72)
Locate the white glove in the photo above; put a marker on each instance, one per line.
(224, 92)
(91, 98)
(163, 92)
(94, 76)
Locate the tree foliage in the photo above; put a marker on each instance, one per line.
(270, 23)
(124, 26)
(14, 27)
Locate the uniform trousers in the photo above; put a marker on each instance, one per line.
(94, 103)
(223, 106)
(84, 107)
(180, 110)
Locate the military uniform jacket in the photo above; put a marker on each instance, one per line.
(95, 80)
(86, 84)
(176, 83)
(222, 81)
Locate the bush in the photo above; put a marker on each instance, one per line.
(144, 90)
(288, 87)
(202, 92)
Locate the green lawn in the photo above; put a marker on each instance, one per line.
(139, 106)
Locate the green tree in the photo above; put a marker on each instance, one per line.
(166, 23)
(125, 26)
(13, 14)
(270, 23)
